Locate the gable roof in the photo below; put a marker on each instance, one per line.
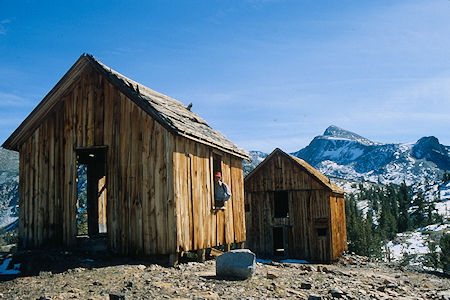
(322, 179)
(170, 113)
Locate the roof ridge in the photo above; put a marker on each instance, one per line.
(302, 163)
(170, 113)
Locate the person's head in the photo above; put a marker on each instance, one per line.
(217, 177)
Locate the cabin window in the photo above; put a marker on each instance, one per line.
(278, 241)
(281, 204)
(217, 163)
(217, 167)
(322, 232)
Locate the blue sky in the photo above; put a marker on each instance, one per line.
(265, 73)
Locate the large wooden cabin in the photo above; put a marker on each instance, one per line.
(292, 210)
(150, 164)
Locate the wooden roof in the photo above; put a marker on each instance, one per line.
(322, 179)
(169, 112)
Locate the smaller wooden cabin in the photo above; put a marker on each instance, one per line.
(292, 210)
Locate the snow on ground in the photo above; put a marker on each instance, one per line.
(413, 244)
(445, 191)
(443, 208)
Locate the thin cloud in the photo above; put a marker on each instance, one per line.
(3, 29)
(8, 100)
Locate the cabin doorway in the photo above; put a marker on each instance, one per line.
(278, 241)
(91, 190)
(282, 241)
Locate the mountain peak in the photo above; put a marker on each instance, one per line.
(429, 141)
(429, 148)
(337, 132)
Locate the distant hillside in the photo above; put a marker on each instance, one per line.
(256, 158)
(9, 183)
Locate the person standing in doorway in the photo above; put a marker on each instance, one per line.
(221, 190)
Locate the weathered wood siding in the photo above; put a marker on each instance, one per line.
(338, 225)
(140, 206)
(309, 209)
(158, 186)
(199, 225)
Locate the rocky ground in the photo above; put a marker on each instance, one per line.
(63, 275)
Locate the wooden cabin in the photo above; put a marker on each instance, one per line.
(150, 163)
(292, 210)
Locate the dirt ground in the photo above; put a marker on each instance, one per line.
(64, 275)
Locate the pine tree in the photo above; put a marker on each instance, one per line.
(404, 200)
(444, 244)
(446, 177)
(432, 257)
(372, 239)
(387, 225)
(418, 214)
(392, 196)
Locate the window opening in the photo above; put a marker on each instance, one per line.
(322, 232)
(281, 204)
(278, 241)
(217, 163)
(217, 167)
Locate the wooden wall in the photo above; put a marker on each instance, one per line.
(338, 225)
(158, 185)
(309, 209)
(199, 225)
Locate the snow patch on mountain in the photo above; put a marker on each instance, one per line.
(256, 157)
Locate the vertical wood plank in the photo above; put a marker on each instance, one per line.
(171, 206)
(90, 111)
(152, 168)
(51, 177)
(145, 184)
(226, 174)
(99, 107)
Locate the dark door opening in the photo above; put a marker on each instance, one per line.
(91, 200)
(278, 241)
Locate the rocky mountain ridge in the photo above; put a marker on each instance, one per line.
(344, 154)
(339, 153)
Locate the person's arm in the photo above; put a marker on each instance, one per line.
(226, 190)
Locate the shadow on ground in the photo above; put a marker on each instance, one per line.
(34, 262)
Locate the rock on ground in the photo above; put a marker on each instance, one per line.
(236, 264)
